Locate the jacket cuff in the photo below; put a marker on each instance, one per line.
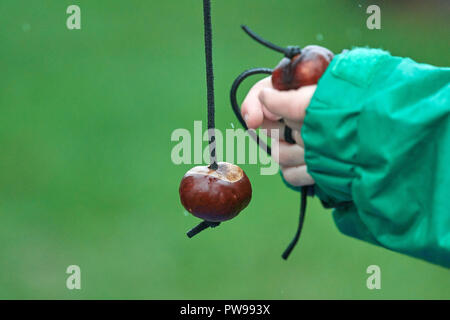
(330, 128)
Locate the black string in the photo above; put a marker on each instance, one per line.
(288, 52)
(209, 81)
(303, 198)
(235, 105)
(210, 106)
(200, 227)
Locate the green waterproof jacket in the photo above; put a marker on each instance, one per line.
(377, 143)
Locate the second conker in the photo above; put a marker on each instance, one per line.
(303, 69)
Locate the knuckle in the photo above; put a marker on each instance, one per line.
(289, 178)
(297, 111)
(285, 157)
(262, 96)
(244, 106)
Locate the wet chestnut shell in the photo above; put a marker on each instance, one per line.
(303, 69)
(215, 195)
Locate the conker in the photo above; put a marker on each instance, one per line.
(215, 195)
(303, 69)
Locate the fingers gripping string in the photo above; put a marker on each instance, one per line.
(288, 138)
(209, 82)
(288, 52)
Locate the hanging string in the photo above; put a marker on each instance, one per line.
(303, 198)
(210, 106)
(209, 82)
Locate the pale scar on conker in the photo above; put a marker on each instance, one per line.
(215, 195)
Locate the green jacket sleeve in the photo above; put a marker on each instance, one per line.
(377, 143)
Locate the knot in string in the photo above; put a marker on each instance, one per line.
(292, 51)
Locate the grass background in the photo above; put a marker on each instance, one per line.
(85, 170)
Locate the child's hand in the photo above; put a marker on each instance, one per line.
(264, 106)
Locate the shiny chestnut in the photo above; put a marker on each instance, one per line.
(215, 195)
(303, 69)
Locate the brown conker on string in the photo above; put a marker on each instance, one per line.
(217, 192)
(215, 195)
(303, 69)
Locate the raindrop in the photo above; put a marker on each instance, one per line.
(26, 27)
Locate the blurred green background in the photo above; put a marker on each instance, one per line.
(86, 176)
